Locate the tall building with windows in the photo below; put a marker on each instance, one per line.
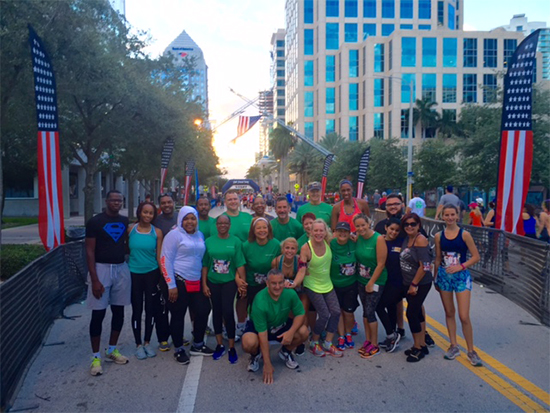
(278, 73)
(354, 66)
(265, 104)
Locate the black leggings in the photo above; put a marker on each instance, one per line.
(144, 286)
(162, 325)
(197, 302)
(387, 307)
(97, 320)
(223, 299)
(414, 308)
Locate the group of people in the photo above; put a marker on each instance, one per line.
(268, 279)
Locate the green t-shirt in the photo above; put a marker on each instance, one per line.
(302, 241)
(268, 314)
(291, 229)
(365, 253)
(205, 226)
(222, 258)
(240, 225)
(343, 266)
(258, 260)
(322, 211)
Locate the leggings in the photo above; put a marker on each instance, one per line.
(162, 325)
(144, 285)
(370, 302)
(223, 300)
(414, 308)
(328, 310)
(97, 320)
(391, 296)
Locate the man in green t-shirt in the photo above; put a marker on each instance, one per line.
(284, 226)
(319, 209)
(270, 321)
(205, 220)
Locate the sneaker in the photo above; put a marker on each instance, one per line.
(300, 350)
(288, 358)
(452, 353)
(415, 355)
(429, 340)
(239, 332)
(316, 350)
(392, 342)
(149, 351)
(341, 343)
(201, 351)
(116, 357)
(164, 346)
(140, 353)
(370, 351)
(233, 358)
(96, 369)
(219, 352)
(401, 332)
(181, 357)
(349, 341)
(186, 342)
(364, 347)
(333, 351)
(254, 362)
(354, 330)
(423, 349)
(384, 344)
(474, 359)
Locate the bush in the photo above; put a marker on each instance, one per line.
(15, 257)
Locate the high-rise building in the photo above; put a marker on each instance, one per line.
(265, 104)
(278, 72)
(351, 65)
(183, 48)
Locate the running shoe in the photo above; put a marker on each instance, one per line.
(341, 343)
(349, 341)
(474, 359)
(423, 349)
(393, 343)
(429, 340)
(384, 344)
(219, 352)
(452, 353)
(201, 351)
(96, 369)
(288, 358)
(316, 350)
(415, 355)
(116, 357)
(333, 351)
(254, 362)
(401, 332)
(140, 353)
(364, 347)
(149, 350)
(233, 358)
(181, 357)
(164, 346)
(301, 350)
(355, 330)
(370, 351)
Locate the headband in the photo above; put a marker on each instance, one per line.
(260, 219)
(345, 181)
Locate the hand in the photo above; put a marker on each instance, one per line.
(452, 269)
(206, 290)
(268, 374)
(97, 289)
(286, 338)
(369, 288)
(173, 294)
(288, 284)
(241, 283)
(242, 291)
(412, 290)
(353, 236)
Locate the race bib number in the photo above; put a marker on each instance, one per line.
(364, 271)
(451, 258)
(347, 269)
(221, 266)
(259, 278)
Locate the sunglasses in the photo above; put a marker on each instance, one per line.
(410, 224)
(396, 204)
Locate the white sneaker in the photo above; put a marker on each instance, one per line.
(254, 362)
(289, 359)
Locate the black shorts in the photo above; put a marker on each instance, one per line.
(271, 334)
(347, 297)
(251, 292)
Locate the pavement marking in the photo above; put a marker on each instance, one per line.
(188, 394)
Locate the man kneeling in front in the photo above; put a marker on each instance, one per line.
(270, 321)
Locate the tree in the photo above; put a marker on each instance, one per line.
(304, 160)
(280, 144)
(332, 142)
(254, 173)
(447, 125)
(435, 164)
(388, 165)
(426, 115)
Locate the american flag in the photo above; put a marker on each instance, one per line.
(245, 124)
(363, 168)
(165, 160)
(326, 167)
(516, 144)
(50, 192)
(189, 169)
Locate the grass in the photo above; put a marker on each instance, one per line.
(12, 222)
(17, 256)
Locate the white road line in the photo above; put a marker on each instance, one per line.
(188, 394)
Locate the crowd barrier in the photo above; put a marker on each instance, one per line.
(517, 267)
(29, 303)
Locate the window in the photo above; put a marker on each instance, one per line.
(330, 100)
(388, 9)
(489, 52)
(387, 29)
(353, 63)
(429, 87)
(390, 57)
(406, 26)
(449, 52)
(408, 51)
(407, 78)
(509, 49)
(390, 91)
(308, 73)
(489, 88)
(308, 11)
(329, 126)
(469, 88)
(331, 68)
(308, 42)
(280, 53)
(424, 27)
(378, 57)
(353, 96)
(470, 52)
(280, 102)
(353, 128)
(280, 63)
(369, 29)
(350, 33)
(281, 92)
(440, 13)
(308, 126)
(449, 88)
(280, 82)
(424, 9)
(406, 9)
(332, 41)
(378, 93)
(280, 43)
(451, 16)
(451, 113)
(429, 52)
(369, 8)
(280, 73)
(519, 28)
(333, 7)
(405, 124)
(350, 8)
(379, 125)
(389, 124)
(308, 104)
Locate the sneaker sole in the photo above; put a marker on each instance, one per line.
(108, 360)
(369, 356)
(218, 358)
(199, 353)
(183, 363)
(250, 370)
(97, 373)
(449, 358)
(335, 355)
(318, 355)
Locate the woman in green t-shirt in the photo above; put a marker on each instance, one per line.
(222, 274)
(307, 223)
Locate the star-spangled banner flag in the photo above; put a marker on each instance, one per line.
(189, 170)
(50, 192)
(363, 168)
(326, 167)
(245, 124)
(516, 141)
(165, 160)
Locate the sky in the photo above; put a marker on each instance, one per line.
(235, 36)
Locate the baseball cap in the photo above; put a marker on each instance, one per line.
(343, 225)
(479, 201)
(314, 186)
(472, 205)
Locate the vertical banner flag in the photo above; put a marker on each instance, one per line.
(245, 124)
(363, 168)
(197, 186)
(50, 193)
(189, 168)
(516, 140)
(165, 160)
(326, 166)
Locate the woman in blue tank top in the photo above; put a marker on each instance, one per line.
(452, 246)
(144, 241)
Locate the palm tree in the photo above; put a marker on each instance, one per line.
(447, 125)
(280, 144)
(333, 142)
(426, 115)
(303, 160)
(254, 173)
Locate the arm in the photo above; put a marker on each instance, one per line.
(159, 244)
(469, 219)
(408, 210)
(288, 335)
(305, 256)
(381, 255)
(97, 288)
(204, 277)
(264, 348)
(240, 279)
(422, 242)
(467, 237)
(274, 263)
(438, 211)
(364, 207)
(334, 216)
(167, 257)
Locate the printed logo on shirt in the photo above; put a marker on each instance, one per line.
(451, 258)
(427, 266)
(364, 271)
(221, 266)
(396, 250)
(347, 269)
(259, 278)
(115, 230)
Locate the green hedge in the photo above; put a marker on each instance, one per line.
(16, 257)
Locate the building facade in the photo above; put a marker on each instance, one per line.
(265, 104)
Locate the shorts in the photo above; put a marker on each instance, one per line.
(251, 292)
(347, 298)
(370, 302)
(457, 282)
(271, 333)
(117, 281)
